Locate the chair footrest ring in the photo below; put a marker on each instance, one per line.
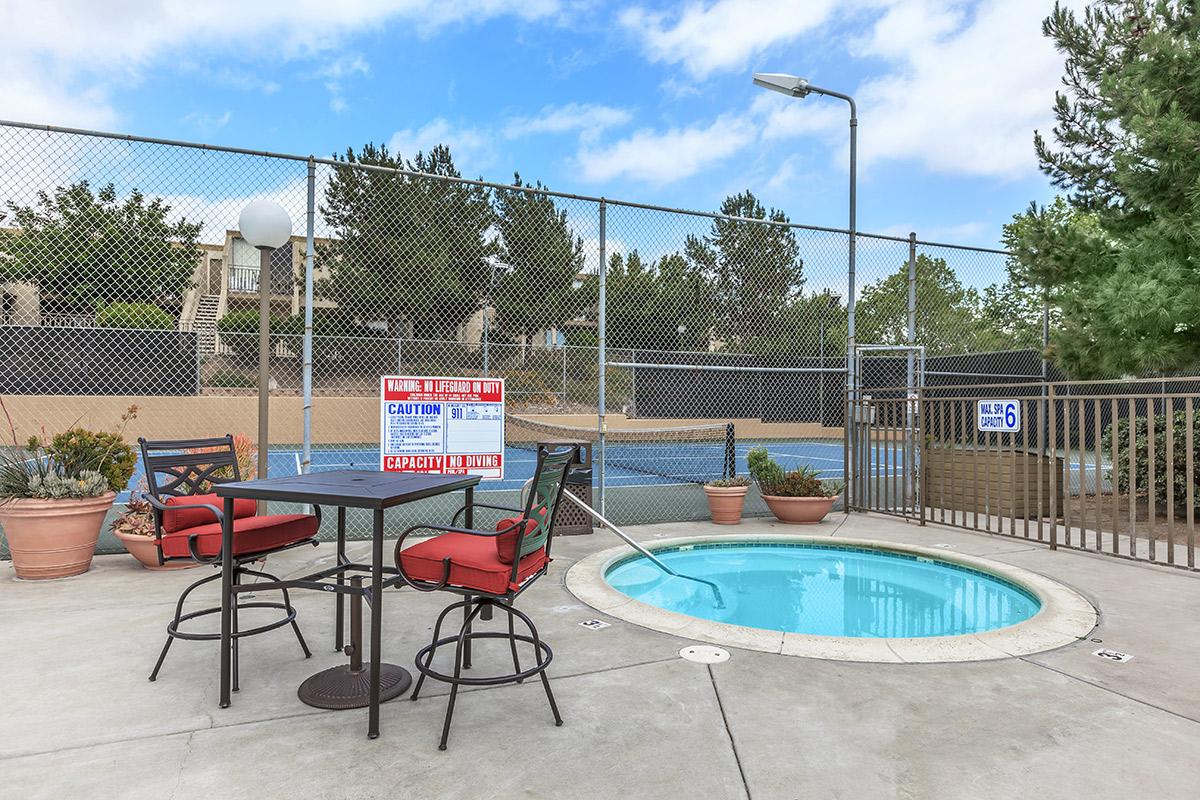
(425, 656)
(174, 632)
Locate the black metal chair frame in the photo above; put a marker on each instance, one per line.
(476, 604)
(188, 473)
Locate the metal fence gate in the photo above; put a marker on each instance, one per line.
(1104, 467)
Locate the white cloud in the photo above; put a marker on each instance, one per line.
(207, 122)
(470, 148)
(335, 73)
(724, 35)
(964, 91)
(671, 155)
(61, 60)
(588, 119)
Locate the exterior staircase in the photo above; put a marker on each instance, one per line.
(205, 323)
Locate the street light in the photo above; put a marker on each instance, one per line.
(264, 224)
(794, 86)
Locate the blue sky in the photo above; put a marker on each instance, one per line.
(637, 100)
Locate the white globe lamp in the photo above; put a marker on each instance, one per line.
(265, 224)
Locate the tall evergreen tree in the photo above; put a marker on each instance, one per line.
(408, 250)
(755, 268)
(664, 306)
(1121, 262)
(541, 258)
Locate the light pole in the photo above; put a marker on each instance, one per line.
(264, 224)
(681, 330)
(794, 86)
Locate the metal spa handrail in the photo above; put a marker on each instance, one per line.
(720, 603)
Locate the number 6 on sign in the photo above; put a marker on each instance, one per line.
(1003, 416)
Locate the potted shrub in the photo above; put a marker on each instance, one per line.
(798, 497)
(135, 530)
(55, 494)
(726, 497)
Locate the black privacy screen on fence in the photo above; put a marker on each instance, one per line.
(721, 386)
(38, 360)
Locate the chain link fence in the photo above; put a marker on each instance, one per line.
(124, 281)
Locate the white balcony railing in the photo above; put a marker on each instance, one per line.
(243, 279)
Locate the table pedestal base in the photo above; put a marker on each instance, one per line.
(342, 687)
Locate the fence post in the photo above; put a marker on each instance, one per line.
(306, 379)
(912, 304)
(1052, 421)
(601, 355)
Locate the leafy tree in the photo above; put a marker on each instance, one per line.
(649, 304)
(951, 318)
(86, 249)
(755, 269)
(409, 251)
(1118, 258)
(540, 259)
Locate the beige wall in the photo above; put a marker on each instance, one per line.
(336, 420)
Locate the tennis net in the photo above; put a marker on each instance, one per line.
(686, 454)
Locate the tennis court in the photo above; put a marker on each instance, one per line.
(627, 464)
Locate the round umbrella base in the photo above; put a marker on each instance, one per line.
(340, 687)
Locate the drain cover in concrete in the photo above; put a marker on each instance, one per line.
(704, 654)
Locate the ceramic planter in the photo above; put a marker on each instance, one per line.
(725, 503)
(144, 550)
(53, 538)
(799, 510)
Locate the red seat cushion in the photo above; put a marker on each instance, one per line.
(474, 563)
(250, 535)
(178, 519)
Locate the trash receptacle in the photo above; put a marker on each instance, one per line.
(572, 520)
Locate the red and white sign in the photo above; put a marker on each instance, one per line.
(441, 426)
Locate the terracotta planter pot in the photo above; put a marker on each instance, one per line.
(799, 510)
(144, 550)
(725, 503)
(53, 538)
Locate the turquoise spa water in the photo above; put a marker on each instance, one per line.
(827, 591)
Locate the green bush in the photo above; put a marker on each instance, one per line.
(143, 316)
(78, 450)
(773, 480)
(1120, 474)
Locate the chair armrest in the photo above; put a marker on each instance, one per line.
(161, 506)
(454, 519)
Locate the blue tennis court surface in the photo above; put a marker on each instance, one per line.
(641, 464)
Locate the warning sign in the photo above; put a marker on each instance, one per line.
(442, 426)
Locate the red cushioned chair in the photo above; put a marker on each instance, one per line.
(187, 527)
(490, 569)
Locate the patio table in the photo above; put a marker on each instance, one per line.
(346, 488)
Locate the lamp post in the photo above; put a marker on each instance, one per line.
(264, 224)
(794, 86)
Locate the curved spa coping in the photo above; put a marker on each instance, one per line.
(1064, 617)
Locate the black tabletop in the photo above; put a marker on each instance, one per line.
(354, 488)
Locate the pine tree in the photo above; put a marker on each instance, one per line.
(541, 259)
(1121, 263)
(407, 250)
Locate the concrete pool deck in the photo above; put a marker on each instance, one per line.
(81, 720)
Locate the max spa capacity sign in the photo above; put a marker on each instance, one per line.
(442, 426)
(1003, 416)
